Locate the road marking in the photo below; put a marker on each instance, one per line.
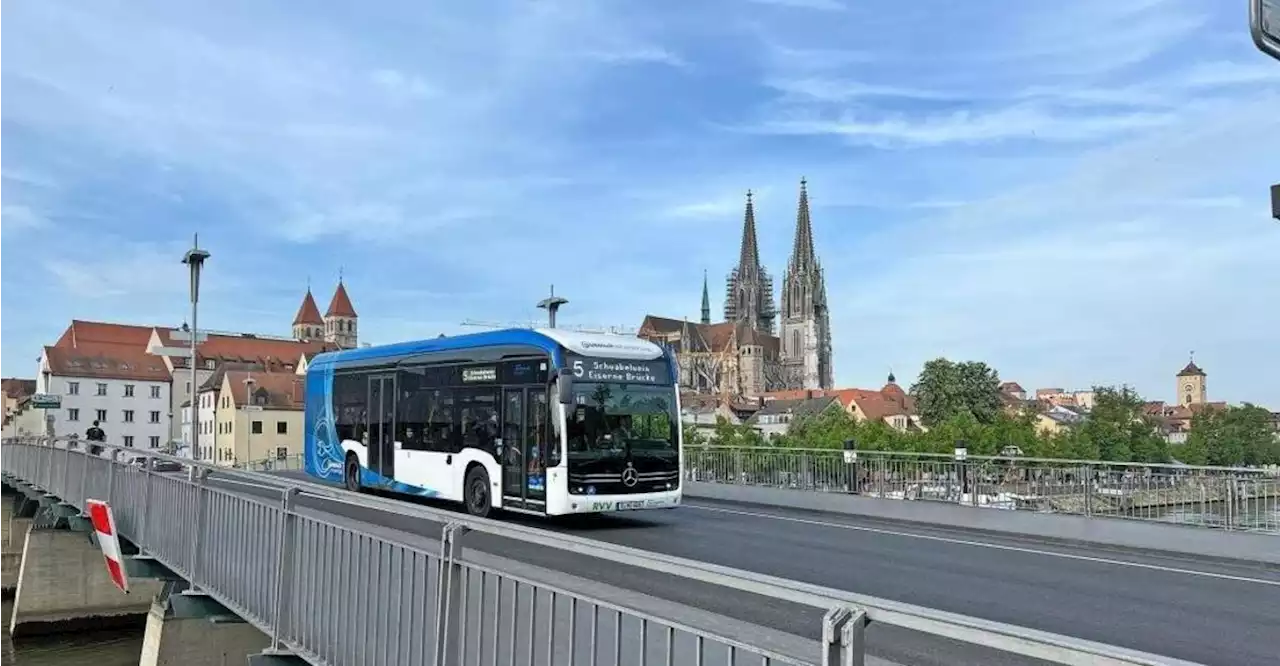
(983, 544)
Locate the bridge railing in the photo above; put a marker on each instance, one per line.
(1216, 497)
(332, 593)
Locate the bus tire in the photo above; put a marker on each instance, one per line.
(351, 473)
(476, 491)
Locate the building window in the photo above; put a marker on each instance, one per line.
(73, 414)
(128, 390)
(155, 416)
(257, 428)
(155, 391)
(282, 427)
(73, 388)
(102, 388)
(128, 440)
(102, 415)
(128, 416)
(188, 389)
(155, 441)
(210, 364)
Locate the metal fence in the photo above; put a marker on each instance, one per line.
(275, 464)
(336, 594)
(1217, 497)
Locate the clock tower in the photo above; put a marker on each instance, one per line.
(1191, 388)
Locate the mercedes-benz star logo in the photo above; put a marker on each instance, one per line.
(629, 476)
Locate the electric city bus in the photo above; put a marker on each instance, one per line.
(542, 421)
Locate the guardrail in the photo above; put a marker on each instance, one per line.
(1214, 497)
(291, 575)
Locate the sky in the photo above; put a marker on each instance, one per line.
(1075, 193)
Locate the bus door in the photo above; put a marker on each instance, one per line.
(381, 430)
(524, 447)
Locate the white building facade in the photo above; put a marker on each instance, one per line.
(128, 396)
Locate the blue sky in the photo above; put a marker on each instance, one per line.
(1074, 192)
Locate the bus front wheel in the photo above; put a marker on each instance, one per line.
(477, 491)
(351, 474)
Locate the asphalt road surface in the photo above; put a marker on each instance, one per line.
(1210, 613)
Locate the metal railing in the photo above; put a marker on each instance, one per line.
(1215, 497)
(274, 464)
(334, 594)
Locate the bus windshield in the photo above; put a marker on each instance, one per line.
(608, 420)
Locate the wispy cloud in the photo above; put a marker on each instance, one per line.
(1048, 186)
(20, 218)
(821, 5)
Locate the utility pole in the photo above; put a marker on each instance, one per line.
(552, 303)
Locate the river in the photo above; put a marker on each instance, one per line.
(116, 647)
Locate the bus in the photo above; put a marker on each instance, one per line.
(542, 421)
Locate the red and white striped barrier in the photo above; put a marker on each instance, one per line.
(104, 523)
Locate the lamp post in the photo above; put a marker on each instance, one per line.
(249, 408)
(1275, 201)
(552, 303)
(194, 259)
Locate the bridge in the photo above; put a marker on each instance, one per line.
(760, 566)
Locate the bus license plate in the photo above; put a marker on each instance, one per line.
(623, 506)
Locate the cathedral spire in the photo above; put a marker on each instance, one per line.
(749, 254)
(802, 254)
(706, 300)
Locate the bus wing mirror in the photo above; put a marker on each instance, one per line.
(564, 388)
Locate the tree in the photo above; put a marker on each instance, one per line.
(946, 389)
(1118, 429)
(1235, 436)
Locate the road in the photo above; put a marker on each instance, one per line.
(1212, 613)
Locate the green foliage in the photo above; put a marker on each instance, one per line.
(947, 390)
(1119, 429)
(1115, 429)
(1234, 436)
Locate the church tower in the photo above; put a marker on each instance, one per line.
(706, 300)
(307, 324)
(340, 320)
(1191, 385)
(806, 328)
(749, 289)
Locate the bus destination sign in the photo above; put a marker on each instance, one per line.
(622, 371)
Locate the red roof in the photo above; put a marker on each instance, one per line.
(18, 388)
(81, 332)
(249, 348)
(274, 390)
(308, 313)
(341, 303)
(105, 360)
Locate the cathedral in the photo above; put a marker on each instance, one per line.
(758, 347)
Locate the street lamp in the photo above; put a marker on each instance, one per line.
(1275, 201)
(552, 303)
(194, 259)
(249, 409)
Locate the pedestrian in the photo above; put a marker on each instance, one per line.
(95, 434)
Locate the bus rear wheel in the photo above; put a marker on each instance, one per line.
(351, 474)
(477, 492)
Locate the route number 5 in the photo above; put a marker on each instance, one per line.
(577, 369)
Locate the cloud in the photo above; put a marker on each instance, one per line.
(17, 218)
(821, 5)
(1027, 122)
(1075, 192)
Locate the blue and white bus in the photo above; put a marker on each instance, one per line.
(542, 421)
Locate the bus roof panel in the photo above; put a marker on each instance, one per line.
(548, 340)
